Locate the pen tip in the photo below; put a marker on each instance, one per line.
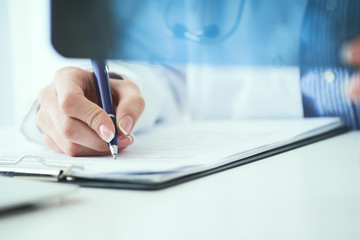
(114, 150)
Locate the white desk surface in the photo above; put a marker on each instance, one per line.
(309, 193)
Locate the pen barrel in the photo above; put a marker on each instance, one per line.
(103, 85)
(114, 141)
(104, 95)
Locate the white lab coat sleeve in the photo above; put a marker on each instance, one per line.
(162, 87)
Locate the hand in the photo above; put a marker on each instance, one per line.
(73, 123)
(351, 55)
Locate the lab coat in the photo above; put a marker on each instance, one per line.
(203, 92)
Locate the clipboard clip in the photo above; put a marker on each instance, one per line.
(37, 173)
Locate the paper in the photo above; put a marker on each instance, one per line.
(169, 151)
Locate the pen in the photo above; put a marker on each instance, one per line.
(104, 96)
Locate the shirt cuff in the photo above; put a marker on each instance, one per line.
(29, 127)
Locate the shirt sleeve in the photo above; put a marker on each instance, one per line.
(29, 127)
(162, 87)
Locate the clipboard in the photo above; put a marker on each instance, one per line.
(62, 172)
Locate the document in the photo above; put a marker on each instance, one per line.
(170, 151)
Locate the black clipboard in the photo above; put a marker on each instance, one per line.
(63, 174)
(85, 182)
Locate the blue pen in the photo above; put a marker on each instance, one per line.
(105, 98)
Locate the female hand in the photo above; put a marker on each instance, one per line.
(73, 123)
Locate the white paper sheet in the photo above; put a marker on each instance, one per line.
(168, 151)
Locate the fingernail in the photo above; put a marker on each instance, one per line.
(105, 133)
(125, 141)
(125, 124)
(131, 137)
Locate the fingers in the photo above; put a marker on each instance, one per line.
(69, 141)
(51, 144)
(124, 141)
(75, 131)
(351, 53)
(129, 104)
(74, 124)
(71, 86)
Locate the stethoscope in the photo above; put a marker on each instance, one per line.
(207, 34)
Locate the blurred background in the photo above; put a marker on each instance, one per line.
(263, 33)
(27, 58)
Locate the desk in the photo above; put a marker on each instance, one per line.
(309, 193)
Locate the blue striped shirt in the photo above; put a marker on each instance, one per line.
(327, 25)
